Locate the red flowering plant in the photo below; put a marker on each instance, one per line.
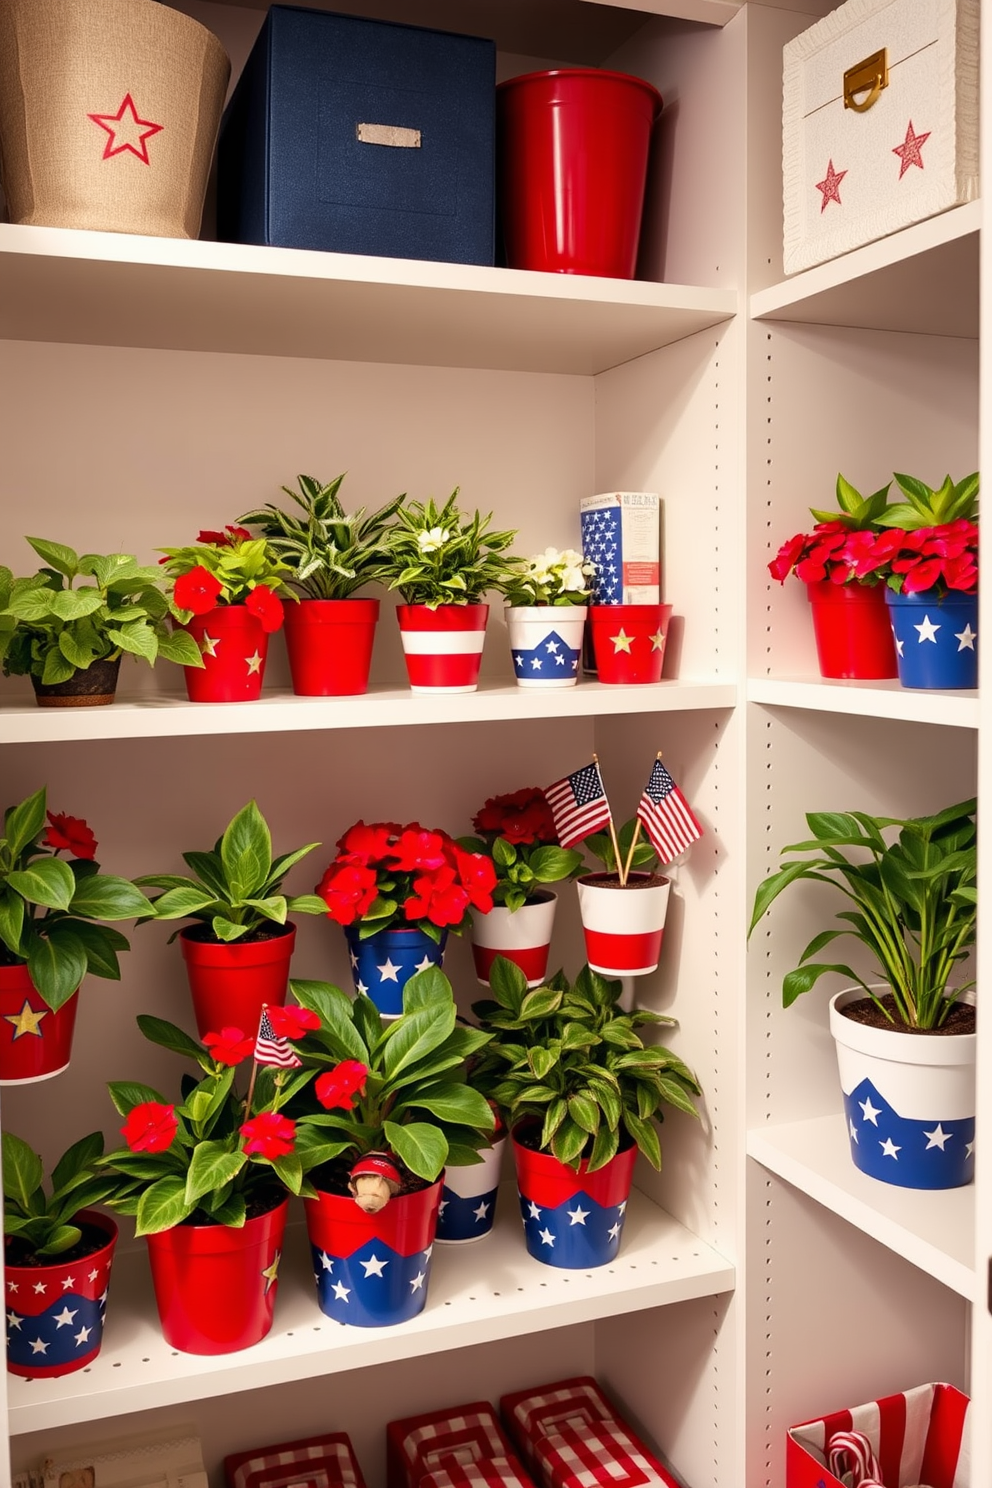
(387, 876)
(929, 541)
(53, 907)
(517, 833)
(838, 543)
(228, 568)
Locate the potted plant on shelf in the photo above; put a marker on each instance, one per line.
(847, 603)
(392, 1100)
(580, 1089)
(623, 905)
(329, 556)
(57, 1256)
(398, 891)
(207, 1180)
(443, 562)
(237, 954)
(517, 833)
(53, 930)
(226, 593)
(470, 1192)
(906, 1048)
(69, 636)
(546, 616)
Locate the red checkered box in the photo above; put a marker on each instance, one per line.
(316, 1462)
(444, 1441)
(571, 1437)
(919, 1436)
(488, 1472)
(531, 1414)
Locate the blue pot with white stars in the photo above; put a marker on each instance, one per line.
(936, 637)
(55, 1311)
(572, 1219)
(468, 1198)
(372, 1270)
(909, 1099)
(546, 643)
(382, 964)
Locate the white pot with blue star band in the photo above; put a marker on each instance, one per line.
(468, 1198)
(909, 1100)
(546, 643)
(936, 638)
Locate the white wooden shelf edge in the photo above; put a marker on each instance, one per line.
(715, 12)
(954, 709)
(478, 1293)
(932, 1230)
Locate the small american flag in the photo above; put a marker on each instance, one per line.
(270, 1049)
(666, 816)
(578, 804)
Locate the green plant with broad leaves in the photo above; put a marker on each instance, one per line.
(926, 507)
(42, 1222)
(912, 902)
(328, 553)
(517, 832)
(855, 512)
(237, 886)
(439, 555)
(51, 907)
(81, 609)
(399, 1086)
(574, 1064)
(600, 845)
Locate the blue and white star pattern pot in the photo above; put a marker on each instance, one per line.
(468, 1198)
(572, 1219)
(382, 965)
(936, 638)
(546, 643)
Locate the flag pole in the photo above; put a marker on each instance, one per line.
(633, 842)
(613, 832)
(254, 1064)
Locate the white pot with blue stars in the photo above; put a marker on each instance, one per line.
(468, 1198)
(546, 643)
(909, 1100)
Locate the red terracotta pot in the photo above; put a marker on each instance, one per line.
(55, 1313)
(230, 983)
(330, 645)
(234, 647)
(35, 1043)
(629, 641)
(852, 630)
(215, 1287)
(443, 647)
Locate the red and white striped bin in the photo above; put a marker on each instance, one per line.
(918, 1436)
(623, 928)
(443, 647)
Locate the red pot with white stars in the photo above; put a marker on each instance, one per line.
(35, 1043)
(55, 1311)
(234, 646)
(629, 641)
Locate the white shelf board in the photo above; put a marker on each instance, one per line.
(115, 289)
(923, 279)
(158, 715)
(934, 1230)
(478, 1293)
(953, 708)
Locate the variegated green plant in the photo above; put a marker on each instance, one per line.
(439, 555)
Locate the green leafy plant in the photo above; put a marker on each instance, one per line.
(926, 507)
(914, 903)
(575, 1065)
(440, 556)
(600, 845)
(837, 547)
(328, 553)
(78, 610)
(42, 1222)
(237, 886)
(228, 568)
(552, 578)
(517, 832)
(50, 907)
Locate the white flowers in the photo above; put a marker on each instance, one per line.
(562, 572)
(431, 540)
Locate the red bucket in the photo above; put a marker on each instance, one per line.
(572, 160)
(330, 645)
(234, 647)
(852, 630)
(230, 982)
(35, 1043)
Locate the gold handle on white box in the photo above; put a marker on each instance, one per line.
(395, 135)
(871, 75)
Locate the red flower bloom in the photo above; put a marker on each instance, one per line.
(197, 590)
(269, 1134)
(215, 539)
(787, 557)
(238, 534)
(292, 1022)
(336, 1090)
(920, 576)
(419, 849)
(70, 834)
(368, 844)
(150, 1127)
(437, 897)
(477, 877)
(523, 817)
(961, 573)
(348, 890)
(230, 1046)
(265, 606)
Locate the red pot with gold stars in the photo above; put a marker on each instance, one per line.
(215, 1286)
(35, 1043)
(629, 641)
(234, 646)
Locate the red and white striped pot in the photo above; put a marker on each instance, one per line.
(522, 935)
(443, 647)
(623, 928)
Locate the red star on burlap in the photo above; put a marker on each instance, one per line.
(126, 131)
(909, 151)
(830, 186)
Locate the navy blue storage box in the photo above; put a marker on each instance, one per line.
(361, 136)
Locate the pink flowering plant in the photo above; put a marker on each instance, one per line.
(517, 832)
(839, 542)
(228, 568)
(930, 540)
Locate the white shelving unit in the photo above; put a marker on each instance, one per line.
(155, 387)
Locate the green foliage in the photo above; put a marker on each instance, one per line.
(574, 1062)
(236, 887)
(600, 844)
(415, 1103)
(52, 626)
(239, 563)
(328, 554)
(44, 1222)
(926, 507)
(440, 556)
(552, 578)
(914, 902)
(524, 868)
(856, 512)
